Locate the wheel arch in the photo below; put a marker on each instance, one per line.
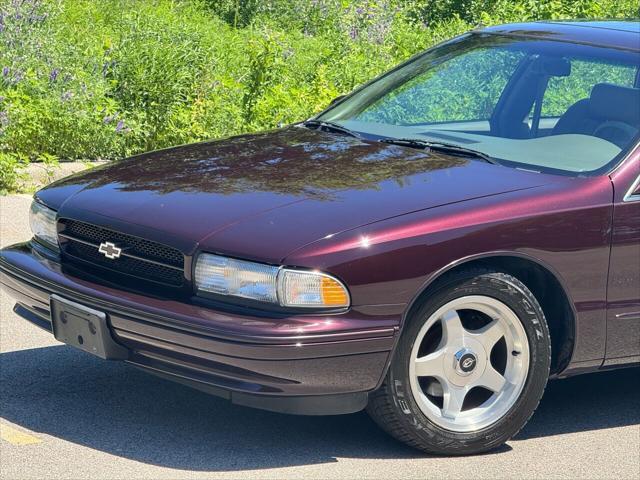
(544, 282)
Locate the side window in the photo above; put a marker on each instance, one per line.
(465, 88)
(562, 92)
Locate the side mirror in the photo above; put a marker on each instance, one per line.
(337, 99)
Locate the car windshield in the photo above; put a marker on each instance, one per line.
(535, 104)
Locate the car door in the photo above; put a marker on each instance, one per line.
(623, 293)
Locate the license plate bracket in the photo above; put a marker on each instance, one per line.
(84, 328)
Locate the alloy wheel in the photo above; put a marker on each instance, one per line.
(469, 363)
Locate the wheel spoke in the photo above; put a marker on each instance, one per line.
(489, 335)
(431, 365)
(492, 380)
(452, 328)
(452, 400)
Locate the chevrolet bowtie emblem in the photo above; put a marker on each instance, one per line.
(110, 250)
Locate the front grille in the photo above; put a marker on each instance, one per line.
(150, 261)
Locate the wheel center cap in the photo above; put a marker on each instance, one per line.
(465, 362)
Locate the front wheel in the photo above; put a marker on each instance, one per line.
(470, 367)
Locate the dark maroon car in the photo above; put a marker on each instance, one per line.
(433, 247)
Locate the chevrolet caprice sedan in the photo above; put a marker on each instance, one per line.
(433, 247)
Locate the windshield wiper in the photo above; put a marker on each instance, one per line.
(440, 147)
(331, 126)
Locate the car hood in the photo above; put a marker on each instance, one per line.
(262, 196)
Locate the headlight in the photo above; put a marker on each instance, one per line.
(227, 276)
(43, 224)
(267, 283)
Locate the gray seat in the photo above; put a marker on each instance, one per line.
(611, 112)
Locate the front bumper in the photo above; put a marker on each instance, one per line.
(303, 364)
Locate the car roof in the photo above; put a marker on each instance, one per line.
(624, 34)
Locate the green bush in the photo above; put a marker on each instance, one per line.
(86, 79)
(12, 172)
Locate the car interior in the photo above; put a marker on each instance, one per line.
(611, 112)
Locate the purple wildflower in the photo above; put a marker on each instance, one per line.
(353, 33)
(66, 96)
(54, 74)
(35, 18)
(5, 71)
(119, 126)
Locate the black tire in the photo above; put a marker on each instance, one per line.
(393, 406)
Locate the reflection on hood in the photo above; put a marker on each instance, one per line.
(294, 161)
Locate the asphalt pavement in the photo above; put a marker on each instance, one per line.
(67, 415)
